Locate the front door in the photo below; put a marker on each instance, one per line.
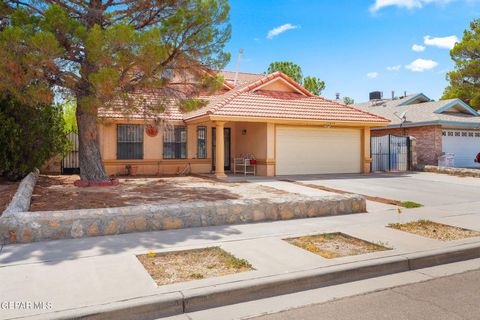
(226, 136)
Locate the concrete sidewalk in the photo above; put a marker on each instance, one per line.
(103, 271)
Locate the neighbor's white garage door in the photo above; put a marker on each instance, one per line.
(465, 144)
(310, 150)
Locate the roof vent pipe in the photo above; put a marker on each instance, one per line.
(337, 95)
(240, 54)
(393, 95)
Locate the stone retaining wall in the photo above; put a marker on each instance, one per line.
(452, 171)
(26, 227)
(21, 200)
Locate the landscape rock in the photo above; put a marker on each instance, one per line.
(460, 172)
(22, 227)
(21, 199)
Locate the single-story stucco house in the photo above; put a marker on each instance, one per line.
(286, 128)
(440, 127)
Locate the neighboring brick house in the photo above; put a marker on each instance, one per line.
(445, 126)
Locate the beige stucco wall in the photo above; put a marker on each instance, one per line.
(251, 138)
(153, 162)
(278, 86)
(259, 139)
(108, 141)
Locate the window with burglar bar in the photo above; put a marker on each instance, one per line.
(129, 141)
(175, 143)
(201, 142)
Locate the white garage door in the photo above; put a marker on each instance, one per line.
(464, 144)
(307, 150)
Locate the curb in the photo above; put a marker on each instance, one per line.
(190, 300)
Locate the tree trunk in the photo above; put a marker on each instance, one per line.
(91, 164)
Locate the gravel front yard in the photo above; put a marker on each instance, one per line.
(59, 193)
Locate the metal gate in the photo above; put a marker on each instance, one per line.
(71, 163)
(390, 153)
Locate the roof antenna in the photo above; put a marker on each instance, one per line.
(402, 116)
(240, 54)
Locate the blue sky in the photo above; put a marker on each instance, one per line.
(354, 46)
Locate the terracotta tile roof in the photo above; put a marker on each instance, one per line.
(242, 101)
(286, 105)
(118, 110)
(172, 113)
(242, 77)
(218, 102)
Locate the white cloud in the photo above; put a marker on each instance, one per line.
(418, 48)
(421, 65)
(440, 42)
(372, 75)
(276, 31)
(394, 68)
(408, 4)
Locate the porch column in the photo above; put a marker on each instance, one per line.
(219, 150)
(366, 158)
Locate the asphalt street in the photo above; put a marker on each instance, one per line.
(448, 298)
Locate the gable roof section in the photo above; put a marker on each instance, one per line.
(397, 102)
(277, 76)
(216, 103)
(427, 113)
(414, 98)
(461, 104)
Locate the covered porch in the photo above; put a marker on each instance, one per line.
(242, 139)
(286, 147)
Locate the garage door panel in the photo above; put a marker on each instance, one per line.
(464, 144)
(308, 150)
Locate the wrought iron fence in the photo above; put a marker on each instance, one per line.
(71, 162)
(390, 153)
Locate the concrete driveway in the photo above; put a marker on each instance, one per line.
(429, 189)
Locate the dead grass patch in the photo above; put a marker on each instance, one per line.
(335, 245)
(58, 192)
(179, 266)
(434, 230)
